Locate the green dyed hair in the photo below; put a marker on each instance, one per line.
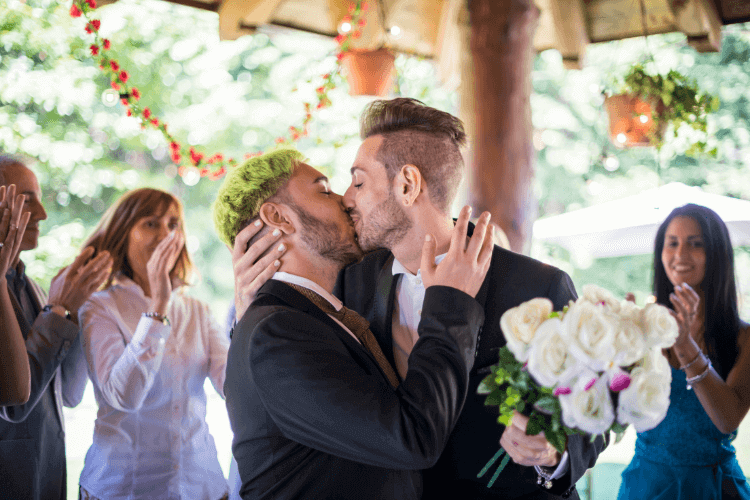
(248, 186)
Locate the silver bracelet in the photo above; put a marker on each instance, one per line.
(158, 317)
(694, 380)
(683, 368)
(543, 478)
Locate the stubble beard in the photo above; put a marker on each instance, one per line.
(385, 227)
(325, 239)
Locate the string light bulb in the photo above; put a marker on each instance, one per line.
(110, 97)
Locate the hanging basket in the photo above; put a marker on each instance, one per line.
(631, 120)
(369, 72)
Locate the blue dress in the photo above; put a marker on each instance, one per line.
(685, 457)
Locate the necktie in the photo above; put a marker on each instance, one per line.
(358, 325)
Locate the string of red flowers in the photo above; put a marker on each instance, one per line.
(215, 166)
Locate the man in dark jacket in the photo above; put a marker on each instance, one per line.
(404, 180)
(317, 410)
(32, 435)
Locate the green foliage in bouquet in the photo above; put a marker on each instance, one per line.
(682, 103)
(510, 387)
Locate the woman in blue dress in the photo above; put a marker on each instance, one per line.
(689, 455)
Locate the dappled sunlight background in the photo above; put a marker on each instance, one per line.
(236, 97)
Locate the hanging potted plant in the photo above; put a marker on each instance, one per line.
(369, 72)
(647, 104)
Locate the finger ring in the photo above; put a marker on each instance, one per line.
(12, 226)
(1, 245)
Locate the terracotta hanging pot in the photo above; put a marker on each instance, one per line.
(369, 72)
(631, 121)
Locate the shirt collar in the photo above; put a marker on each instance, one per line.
(310, 285)
(126, 283)
(398, 268)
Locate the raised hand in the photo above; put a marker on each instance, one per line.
(686, 301)
(75, 283)
(12, 225)
(466, 265)
(159, 266)
(250, 271)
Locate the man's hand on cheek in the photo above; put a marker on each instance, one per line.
(251, 267)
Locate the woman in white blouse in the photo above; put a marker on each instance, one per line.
(149, 349)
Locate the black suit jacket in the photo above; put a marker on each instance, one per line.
(32, 437)
(369, 288)
(315, 418)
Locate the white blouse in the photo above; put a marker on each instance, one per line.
(151, 440)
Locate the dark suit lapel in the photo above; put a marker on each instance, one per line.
(294, 299)
(381, 316)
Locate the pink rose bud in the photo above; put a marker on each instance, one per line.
(590, 384)
(620, 382)
(562, 391)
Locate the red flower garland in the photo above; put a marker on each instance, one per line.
(129, 95)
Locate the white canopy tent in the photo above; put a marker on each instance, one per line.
(628, 226)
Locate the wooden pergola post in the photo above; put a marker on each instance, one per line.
(502, 153)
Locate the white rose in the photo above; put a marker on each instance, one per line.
(646, 401)
(591, 333)
(588, 407)
(519, 325)
(654, 361)
(600, 296)
(659, 325)
(629, 340)
(550, 362)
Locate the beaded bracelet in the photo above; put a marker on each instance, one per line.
(157, 317)
(683, 368)
(694, 380)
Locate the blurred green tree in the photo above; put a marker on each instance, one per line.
(228, 97)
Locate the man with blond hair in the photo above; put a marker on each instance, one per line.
(317, 410)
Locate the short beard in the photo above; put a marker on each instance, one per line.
(324, 238)
(385, 227)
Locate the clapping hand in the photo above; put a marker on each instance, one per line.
(466, 265)
(75, 283)
(12, 225)
(686, 301)
(251, 271)
(159, 266)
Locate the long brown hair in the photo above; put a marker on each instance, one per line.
(111, 234)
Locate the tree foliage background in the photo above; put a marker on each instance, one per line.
(229, 97)
(237, 97)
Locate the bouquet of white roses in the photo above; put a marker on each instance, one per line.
(594, 367)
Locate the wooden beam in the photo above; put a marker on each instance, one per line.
(700, 21)
(502, 169)
(571, 32)
(240, 17)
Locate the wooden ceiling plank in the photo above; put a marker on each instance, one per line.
(571, 31)
(700, 21)
(240, 17)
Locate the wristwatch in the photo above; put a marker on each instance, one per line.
(50, 307)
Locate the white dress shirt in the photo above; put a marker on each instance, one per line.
(407, 312)
(151, 440)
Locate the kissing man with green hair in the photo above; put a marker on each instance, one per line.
(317, 410)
